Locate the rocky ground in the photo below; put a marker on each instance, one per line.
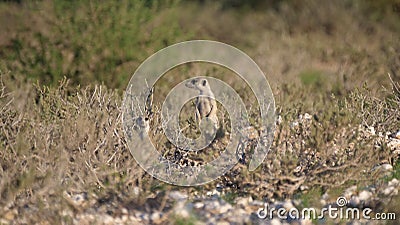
(210, 209)
(176, 207)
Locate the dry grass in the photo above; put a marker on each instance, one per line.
(69, 140)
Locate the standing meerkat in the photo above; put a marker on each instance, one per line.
(206, 106)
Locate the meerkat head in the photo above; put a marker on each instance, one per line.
(200, 84)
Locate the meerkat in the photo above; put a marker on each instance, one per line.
(143, 121)
(206, 106)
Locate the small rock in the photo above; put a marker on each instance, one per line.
(394, 182)
(223, 223)
(304, 187)
(288, 205)
(242, 201)
(198, 205)
(212, 205)
(297, 169)
(371, 130)
(10, 215)
(136, 191)
(124, 218)
(225, 208)
(107, 219)
(307, 116)
(155, 216)
(257, 203)
(3, 221)
(350, 191)
(183, 210)
(390, 191)
(354, 201)
(364, 195)
(214, 193)
(386, 167)
(275, 222)
(306, 222)
(294, 124)
(124, 211)
(177, 196)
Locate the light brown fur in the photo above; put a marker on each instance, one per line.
(206, 106)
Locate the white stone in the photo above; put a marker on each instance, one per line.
(288, 205)
(242, 201)
(225, 208)
(371, 130)
(386, 167)
(212, 205)
(107, 219)
(394, 182)
(155, 216)
(178, 196)
(279, 120)
(307, 116)
(124, 218)
(364, 195)
(354, 201)
(257, 203)
(297, 169)
(275, 222)
(213, 193)
(124, 211)
(136, 191)
(304, 187)
(198, 205)
(306, 222)
(3, 221)
(390, 191)
(183, 210)
(325, 196)
(350, 191)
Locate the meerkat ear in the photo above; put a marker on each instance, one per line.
(204, 82)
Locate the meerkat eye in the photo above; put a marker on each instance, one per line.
(193, 81)
(204, 82)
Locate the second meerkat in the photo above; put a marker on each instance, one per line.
(206, 106)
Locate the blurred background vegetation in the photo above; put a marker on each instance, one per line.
(104, 41)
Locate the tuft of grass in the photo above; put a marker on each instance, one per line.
(230, 197)
(185, 221)
(312, 78)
